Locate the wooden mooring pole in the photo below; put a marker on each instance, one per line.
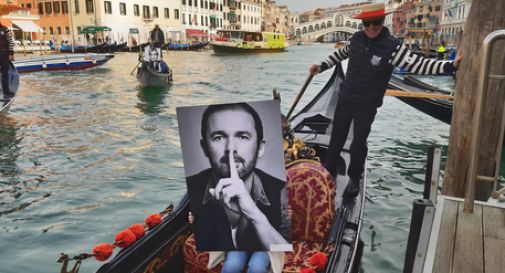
(484, 18)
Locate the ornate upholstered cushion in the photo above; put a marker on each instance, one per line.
(196, 262)
(312, 198)
(300, 257)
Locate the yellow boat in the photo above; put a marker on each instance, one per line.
(236, 41)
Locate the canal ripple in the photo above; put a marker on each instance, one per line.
(85, 154)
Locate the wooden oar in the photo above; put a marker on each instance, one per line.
(131, 73)
(300, 94)
(411, 94)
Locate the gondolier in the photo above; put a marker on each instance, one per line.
(6, 57)
(157, 36)
(372, 53)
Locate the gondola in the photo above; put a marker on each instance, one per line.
(6, 102)
(147, 76)
(440, 109)
(193, 47)
(169, 246)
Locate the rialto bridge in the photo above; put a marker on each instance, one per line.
(342, 26)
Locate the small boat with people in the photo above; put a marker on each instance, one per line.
(152, 71)
(237, 41)
(6, 101)
(61, 62)
(332, 238)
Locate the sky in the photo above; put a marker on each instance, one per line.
(306, 5)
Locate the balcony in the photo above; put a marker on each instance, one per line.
(232, 5)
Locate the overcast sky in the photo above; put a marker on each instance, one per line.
(306, 5)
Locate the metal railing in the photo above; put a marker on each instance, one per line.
(484, 76)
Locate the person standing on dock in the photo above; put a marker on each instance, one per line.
(373, 53)
(6, 57)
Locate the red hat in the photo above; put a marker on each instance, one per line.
(372, 11)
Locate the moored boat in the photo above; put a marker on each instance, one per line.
(61, 62)
(6, 102)
(186, 46)
(235, 41)
(440, 109)
(148, 76)
(169, 247)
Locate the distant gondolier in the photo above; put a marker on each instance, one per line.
(157, 36)
(6, 57)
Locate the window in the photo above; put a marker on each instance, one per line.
(136, 10)
(183, 18)
(190, 3)
(167, 13)
(206, 4)
(67, 30)
(108, 7)
(76, 6)
(176, 14)
(89, 6)
(190, 19)
(64, 7)
(79, 29)
(41, 8)
(155, 12)
(29, 5)
(122, 8)
(59, 30)
(49, 8)
(201, 19)
(146, 12)
(201, 4)
(56, 7)
(51, 30)
(184, 2)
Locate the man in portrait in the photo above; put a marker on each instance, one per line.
(236, 205)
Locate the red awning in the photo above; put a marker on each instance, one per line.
(195, 32)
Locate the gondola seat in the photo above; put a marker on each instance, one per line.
(311, 190)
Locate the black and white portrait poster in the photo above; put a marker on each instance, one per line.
(234, 164)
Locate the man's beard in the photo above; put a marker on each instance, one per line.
(223, 171)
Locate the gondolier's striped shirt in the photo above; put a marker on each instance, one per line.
(402, 57)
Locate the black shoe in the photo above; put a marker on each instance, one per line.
(352, 189)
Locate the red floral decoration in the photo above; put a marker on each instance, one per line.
(138, 229)
(318, 260)
(125, 238)
(103, 251)
(153, 220)
(307, 270)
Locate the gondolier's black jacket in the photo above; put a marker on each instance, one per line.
(371, 63)
(6, 42)
(212, 229)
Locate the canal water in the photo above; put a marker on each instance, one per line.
(85, 154)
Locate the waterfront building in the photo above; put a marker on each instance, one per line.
(275, 18)
(251, 14)
(24, 24)
(200, 18)
(399, 25)
(126, 19)
(293, 18)
(423, 22)
(454, 16)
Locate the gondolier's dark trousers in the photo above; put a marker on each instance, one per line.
(363, 117)
(4, 63)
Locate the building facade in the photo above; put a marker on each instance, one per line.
(454, 16)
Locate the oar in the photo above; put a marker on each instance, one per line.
(131, 73)
(411, 94)
(300, 94)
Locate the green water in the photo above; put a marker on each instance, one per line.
(83, 155)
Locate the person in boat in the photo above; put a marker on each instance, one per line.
(441, 50)
(236, 205)
(157, 36)
(152, 57)
(236, 261)
(373, 53)
(6, 57)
